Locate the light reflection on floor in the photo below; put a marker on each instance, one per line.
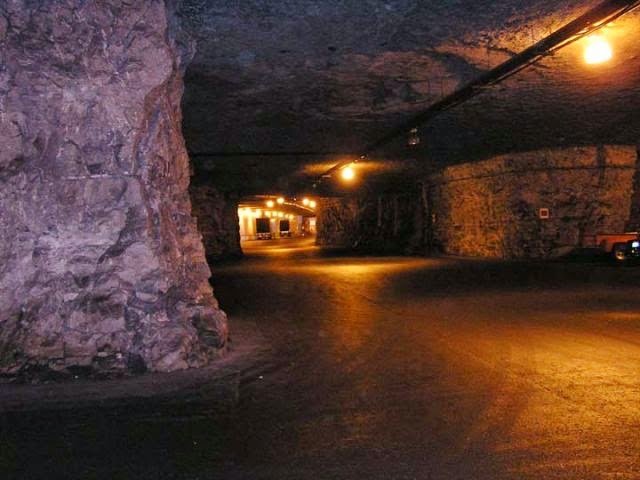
(386, 368)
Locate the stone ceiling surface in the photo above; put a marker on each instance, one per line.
(334, 75)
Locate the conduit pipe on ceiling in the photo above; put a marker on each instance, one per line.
(582, 26)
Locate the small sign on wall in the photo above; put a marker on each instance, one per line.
(544, 214)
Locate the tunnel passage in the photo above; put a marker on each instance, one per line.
(271, 217)
(535, 204)
(101, 265)
(331, 82)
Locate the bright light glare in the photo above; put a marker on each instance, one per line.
(312, 204)
(280, 200)
(598, 50)
(348, 173)
(305, 201)
(270, 203)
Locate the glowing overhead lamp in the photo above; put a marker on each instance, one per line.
(269, 203)
(280, 200)
(305, 202)
(597, 50)
(312, 204)
(348, 173)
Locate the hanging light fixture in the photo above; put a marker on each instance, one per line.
(414, 137)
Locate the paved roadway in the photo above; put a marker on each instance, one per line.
(384, 368)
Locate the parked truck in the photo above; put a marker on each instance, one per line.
(621, 246)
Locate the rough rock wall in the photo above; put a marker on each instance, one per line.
(370, 223)
(633, 225)
(101, 265)
(491, 208)
(218, 222)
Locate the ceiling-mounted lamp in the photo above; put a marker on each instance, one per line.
(280, 200)
(414, 137)
(597, 50)
(269, 203)
(348, 173)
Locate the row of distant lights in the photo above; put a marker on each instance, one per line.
(280, 201)
(258, 213)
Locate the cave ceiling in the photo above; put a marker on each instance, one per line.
(334, 75)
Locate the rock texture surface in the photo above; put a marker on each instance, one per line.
(334, 75)
(491, 208)
(218, 222)
(370, 223)
(101, 265)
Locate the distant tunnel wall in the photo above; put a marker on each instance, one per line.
(372, 223)
(492, 208)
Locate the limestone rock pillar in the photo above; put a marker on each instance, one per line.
(101, 265)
